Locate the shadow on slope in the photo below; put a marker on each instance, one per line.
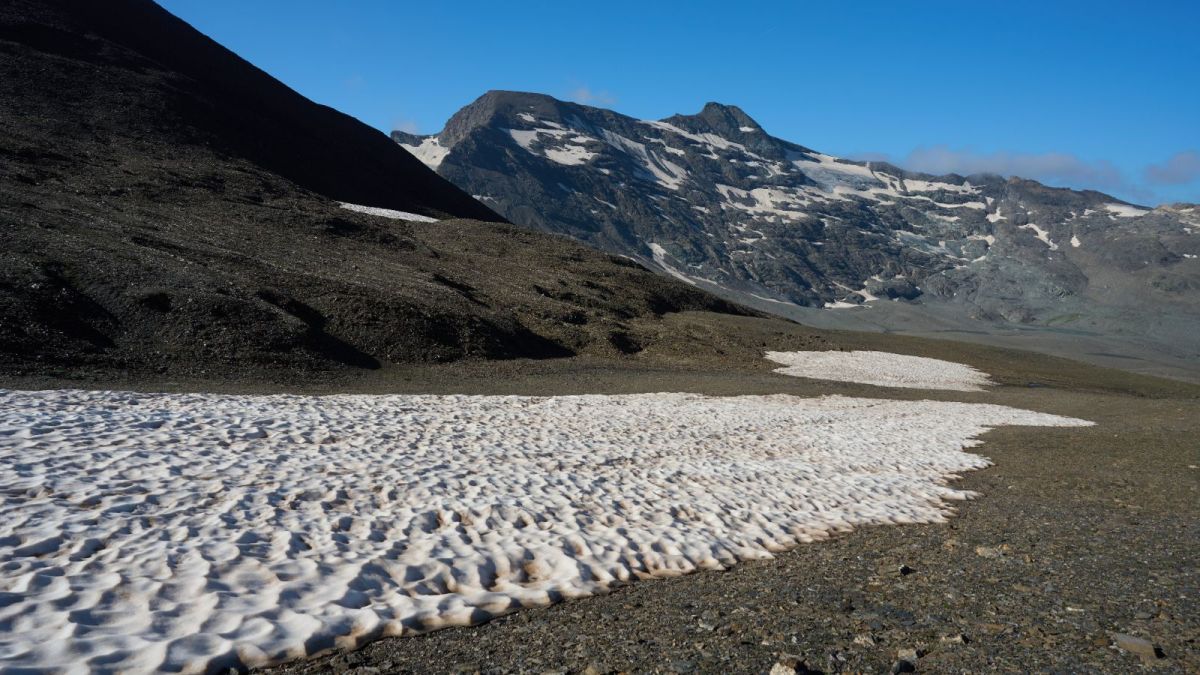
(165, 208)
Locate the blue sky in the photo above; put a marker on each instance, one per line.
(1102, 95)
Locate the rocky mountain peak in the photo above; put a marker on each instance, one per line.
(727, 120)
(714, 200)
(496, 107)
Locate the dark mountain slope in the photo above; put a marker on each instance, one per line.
(166, 207)
(140, 72)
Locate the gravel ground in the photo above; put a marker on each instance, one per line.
(1080, 536)
(1071, 543)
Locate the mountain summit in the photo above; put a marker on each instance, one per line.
(714, 200)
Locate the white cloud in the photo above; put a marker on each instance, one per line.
(1053, 168)
(585, 95)
(406, 125)
(1059, 167)
(1178, 169)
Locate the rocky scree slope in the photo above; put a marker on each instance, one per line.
(714, 200)
(166, 207)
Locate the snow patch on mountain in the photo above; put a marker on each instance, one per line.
(709, 140)
(1125, 210)
(1041, 234)
(571, 149)
(388, 213)
(430, 151)
(667, 173)
(660, 258)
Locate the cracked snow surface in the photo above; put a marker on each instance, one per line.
(196, 532)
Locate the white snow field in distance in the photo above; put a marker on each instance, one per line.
(388, 213)
(195, 532)
(882, 369)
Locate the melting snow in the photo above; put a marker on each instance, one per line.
(707, 139)
(524, 137)
(1125, 210)
(774, 300)
(866, 295)
(389, 213)
(660, 257)
(840, 305)
(842, 179)
(665, 172)
(196, 532)
(782, 202)
(963, 205)
(1075, 243)
(1041, 234)
(430, 151)
(831, 163)
(929, 186)
(569, 154)
(882, 369)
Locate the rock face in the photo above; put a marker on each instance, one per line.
(716, 201)
(166, 207)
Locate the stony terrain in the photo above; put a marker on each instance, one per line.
(1078, 556)
(274, 527)
(714, 200)
(173, 220)
(165, 207)
(1080, 536)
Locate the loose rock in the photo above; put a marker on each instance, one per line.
(864, 640)
(1143, 648)
(790, 665)
(988, 552)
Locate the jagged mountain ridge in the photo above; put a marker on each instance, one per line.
(715, 200)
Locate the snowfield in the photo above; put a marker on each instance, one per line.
(388, 213)
(882, 369)
(194, 532)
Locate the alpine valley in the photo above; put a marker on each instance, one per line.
(278, 398)
(714, 200)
